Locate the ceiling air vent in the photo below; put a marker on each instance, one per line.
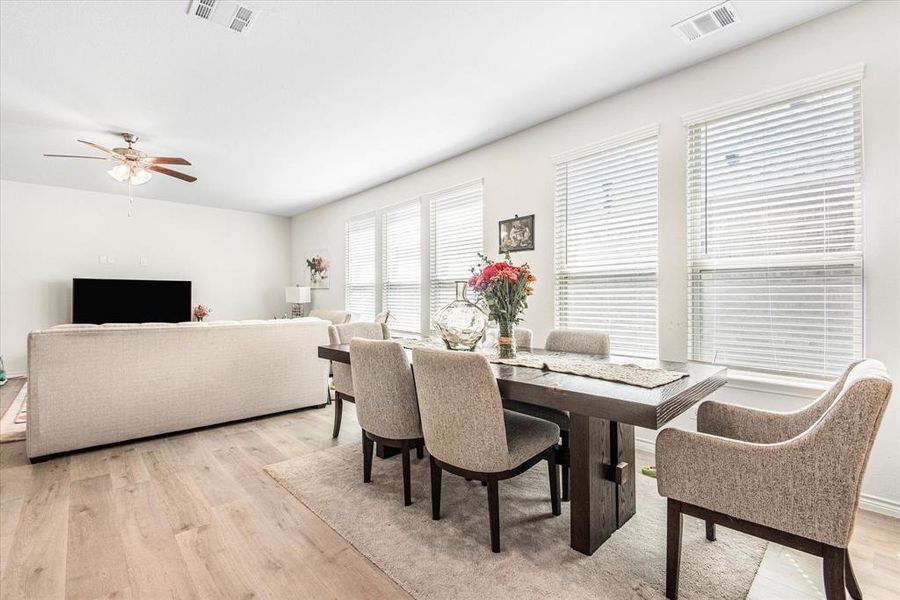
(203, 8)
(241, 19)
(228, 14)
(708, 22)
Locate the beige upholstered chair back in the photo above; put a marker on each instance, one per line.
(342, 334)
(461, 410)
(385, 391)
(840, 442)
(768, 427)
(337, 317)
(523, 337)
(582, 341)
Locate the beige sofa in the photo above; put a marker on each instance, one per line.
(90, 385)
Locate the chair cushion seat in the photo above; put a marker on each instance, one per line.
(527, 436)
(560, 417)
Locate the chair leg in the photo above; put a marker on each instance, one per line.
(833, 563)
(494, 513)
(420, 449)
(435, 490)
(338, 412)
(564, 435)
(673, 547)
(850, 579)
(368, 449)
(710, 531)
(554, 482)
(407, 495)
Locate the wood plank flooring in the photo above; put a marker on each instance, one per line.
(194, 516)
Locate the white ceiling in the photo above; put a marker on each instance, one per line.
(320, 100)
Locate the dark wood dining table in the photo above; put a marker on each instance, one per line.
(603, 415)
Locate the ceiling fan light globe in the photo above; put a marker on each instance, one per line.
(120, 173)
(140, 177)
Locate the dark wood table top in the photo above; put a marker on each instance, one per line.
(651, 408)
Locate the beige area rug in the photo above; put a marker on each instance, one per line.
(13, 424)
(451, 558)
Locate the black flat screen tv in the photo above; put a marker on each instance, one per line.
(130, 301)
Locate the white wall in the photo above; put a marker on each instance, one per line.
(518, 178)
(239, 262)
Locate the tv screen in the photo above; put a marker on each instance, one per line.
(130, 301)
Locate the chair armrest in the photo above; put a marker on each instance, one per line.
(745, 424)
(777, 485)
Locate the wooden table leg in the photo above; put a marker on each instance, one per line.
(594, 513)
(624, 453)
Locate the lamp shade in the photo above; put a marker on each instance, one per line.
(294, 294)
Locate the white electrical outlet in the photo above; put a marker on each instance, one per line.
(112, 259)
(103, 259)
(144, 261)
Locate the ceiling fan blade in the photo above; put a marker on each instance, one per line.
(98, 147)
(76, 156)
(171, 173)
(166, 160)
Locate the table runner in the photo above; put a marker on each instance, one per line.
(574, 364)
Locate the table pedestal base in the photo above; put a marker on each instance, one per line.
(602, 471)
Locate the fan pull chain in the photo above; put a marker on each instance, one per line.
(130, 200)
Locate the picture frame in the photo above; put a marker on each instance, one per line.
(516, 234)
(318, 266)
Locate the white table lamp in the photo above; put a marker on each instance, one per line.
(296, 296)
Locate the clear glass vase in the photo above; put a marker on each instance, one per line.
(506, 340)
(462, 322)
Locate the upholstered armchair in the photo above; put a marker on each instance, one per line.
(468, 433)
(386, 405)
(580, 341)
(793, 478)
(343, 378)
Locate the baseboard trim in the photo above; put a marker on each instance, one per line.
(876, 504)
(882, 506)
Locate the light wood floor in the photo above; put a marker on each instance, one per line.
(194, 516)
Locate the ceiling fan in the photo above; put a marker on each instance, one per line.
(133, 166)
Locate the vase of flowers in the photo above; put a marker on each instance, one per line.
(201, 311)
(504, 288)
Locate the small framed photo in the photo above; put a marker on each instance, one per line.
(517, 234)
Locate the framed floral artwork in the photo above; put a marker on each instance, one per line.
(318, 268)
(517, 234)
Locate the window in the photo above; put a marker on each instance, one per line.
(606, 241)
(456, 239)
(775, 231)
(401, 272)
(359, 291)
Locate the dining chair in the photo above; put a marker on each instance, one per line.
(386, 406)
(342, 375)
(792, 478)
(468, 433)
(337, 317)
(523, 337)
(382, 317)
(580, 341)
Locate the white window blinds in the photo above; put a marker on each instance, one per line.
(401, 272)
(606, 241)
(359, 291)
(775, 234)
(456, 239)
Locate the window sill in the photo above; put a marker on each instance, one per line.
(785, 385)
